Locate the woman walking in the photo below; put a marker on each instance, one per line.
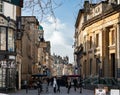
(54, 84)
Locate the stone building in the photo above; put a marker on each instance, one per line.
(97, 39)
(60, 66)
(29, 46)
(8, 53)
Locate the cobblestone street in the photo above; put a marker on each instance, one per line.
(63, 92)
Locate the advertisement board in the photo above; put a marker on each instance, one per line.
(100, 92)
(114, 92)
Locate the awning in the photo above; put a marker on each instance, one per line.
(71, 76)
(39, 75)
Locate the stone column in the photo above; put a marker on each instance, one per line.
(118, 50)
(105, 53)
(118, 1)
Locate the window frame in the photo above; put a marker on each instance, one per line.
(1, 6)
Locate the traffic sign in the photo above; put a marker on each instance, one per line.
(15, 2)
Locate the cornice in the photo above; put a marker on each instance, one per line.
(107, 13)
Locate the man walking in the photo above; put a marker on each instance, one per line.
(68, 85)
(80, 84)
(58, 84)
(75, 83)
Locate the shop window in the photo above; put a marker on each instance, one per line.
(2, 38)
(112, 37)
(11, 40)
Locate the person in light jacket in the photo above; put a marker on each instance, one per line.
(54, 84)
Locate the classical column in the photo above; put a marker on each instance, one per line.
(105, 53)
(118, 50)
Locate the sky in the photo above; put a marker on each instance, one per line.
(61, 33)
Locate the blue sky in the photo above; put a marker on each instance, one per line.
(62, 38)
(61, 33)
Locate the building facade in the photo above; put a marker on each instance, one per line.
(29, 46)
(97, 39)
(8, 31)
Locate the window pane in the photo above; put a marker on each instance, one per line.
(10, 40)
(90, 41)
(2, 38)
(97, 40)
(113, 36)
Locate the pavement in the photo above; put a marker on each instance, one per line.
(63, 91)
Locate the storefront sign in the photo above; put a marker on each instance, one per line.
(114, 92)
(100, 92)
(11, 57)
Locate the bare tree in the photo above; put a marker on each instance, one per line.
(41, 8)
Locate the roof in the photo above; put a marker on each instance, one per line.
(40, 27)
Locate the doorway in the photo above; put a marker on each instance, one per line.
(113, 64)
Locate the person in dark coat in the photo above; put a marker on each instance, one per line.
(39, 86)
(68, 85)
(58, 84)
(80, 84)
(75, 83)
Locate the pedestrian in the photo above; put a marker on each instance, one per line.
(26, 85)
(45, 85)
(68, 85)
(39, 86)
(80, 84)
(51, 81)
(54, 84)
(58, 84)
(75, 82)
(48, 81)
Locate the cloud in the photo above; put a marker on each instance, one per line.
(61, 37)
